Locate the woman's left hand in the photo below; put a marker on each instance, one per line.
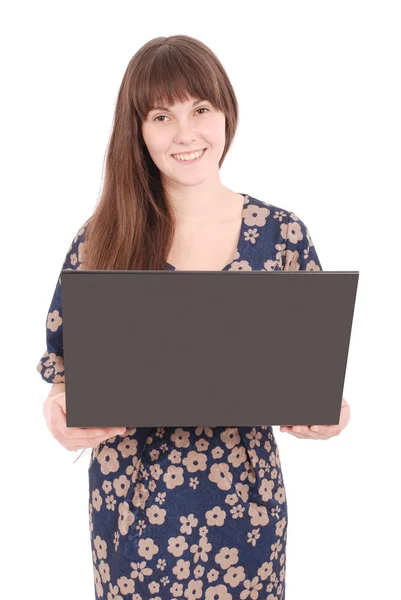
(321, 432)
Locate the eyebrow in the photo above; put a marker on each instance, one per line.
(168, 110)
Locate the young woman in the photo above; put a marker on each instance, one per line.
(180, 512)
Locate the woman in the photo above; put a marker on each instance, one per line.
(179, 512)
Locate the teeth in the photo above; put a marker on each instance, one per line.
(188, 156)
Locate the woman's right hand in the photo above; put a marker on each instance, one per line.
(73, 438)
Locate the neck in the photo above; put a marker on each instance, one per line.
(198, 203)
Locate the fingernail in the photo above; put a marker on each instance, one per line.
(315, 428)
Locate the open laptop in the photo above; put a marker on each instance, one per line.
(217, 348)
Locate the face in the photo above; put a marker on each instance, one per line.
(182, 129)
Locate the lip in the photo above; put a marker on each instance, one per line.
(190, 162)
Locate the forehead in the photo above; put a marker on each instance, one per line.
(164, 105)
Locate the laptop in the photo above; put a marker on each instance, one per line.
(189, 348)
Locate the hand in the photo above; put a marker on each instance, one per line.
(325, 431)
(73, 438)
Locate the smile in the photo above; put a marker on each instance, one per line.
(189, 162)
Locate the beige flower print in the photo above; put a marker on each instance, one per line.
(231, 437)
(252, 588)
(198, 571)
(108, 460)
(104, 571)
(280, 526)
(218, 591)
(194, 589)
(182, 569)
(237, 456)
(207, 430)
(154, 587)
(248, 473)
(255, 215)
(139, 570)
(280, 495)
(270, 265)
(147, 548)
(125, 518)
(180, 438)
(227, 557)
(156, 515)
(173, 477)
(221, 475)
(292, 232)
(128, 447)
(188, 523)
(200, 550)
(237, 512)
(265, 570)
(96, 500)
(100, 547)
(253, 536)
(217, 452)
(254, 436)
(258, 514)
(98, 582)
(279, 215)
(195, 461)
(212, 575)
(234, 576)
(126, 586)
(176, 589)
(231, 499)
(251, 235)
(177, 545)
(202, 445)
(54, 320)
(121, 485)
(53, 363)
(242, 490)
(140, 496)
(240, 265)
(265, 489)
(215, 517)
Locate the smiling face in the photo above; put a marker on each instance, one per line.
(181, 129)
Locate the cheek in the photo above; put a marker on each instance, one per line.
(156, 141)
(214, 132)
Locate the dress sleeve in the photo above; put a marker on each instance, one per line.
(51, 364)
(300, 254)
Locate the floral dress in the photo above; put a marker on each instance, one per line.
(191, 512)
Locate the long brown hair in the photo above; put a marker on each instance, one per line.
(133, 225)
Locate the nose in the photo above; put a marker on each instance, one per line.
(185, 133)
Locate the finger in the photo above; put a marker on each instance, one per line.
(304, 432)
(345, 415)
(76, 443)
(78, 433)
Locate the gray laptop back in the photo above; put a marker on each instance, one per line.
(217, 348)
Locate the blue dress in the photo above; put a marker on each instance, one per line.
(191, 512)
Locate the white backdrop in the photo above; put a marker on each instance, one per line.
(318, 86)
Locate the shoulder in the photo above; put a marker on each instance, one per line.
(288, 225)
(76, 253)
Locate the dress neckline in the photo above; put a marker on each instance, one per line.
(239, 241)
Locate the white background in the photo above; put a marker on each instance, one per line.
(318, 85)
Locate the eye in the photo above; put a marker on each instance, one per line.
(159, 116)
